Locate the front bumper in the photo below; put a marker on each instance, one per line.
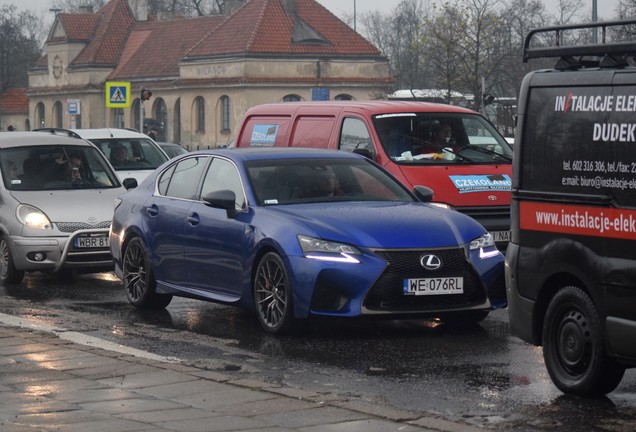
(51, 254)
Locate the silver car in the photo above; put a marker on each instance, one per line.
(56, 204)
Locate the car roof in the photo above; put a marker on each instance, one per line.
(268, 153)
(373, 107)
(109, 133)
(21, 139)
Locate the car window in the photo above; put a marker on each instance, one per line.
(131, 153)
(355, 135)
(182, 180)
(441, 138)
(223, 175)
(291, 181)
(55, 167)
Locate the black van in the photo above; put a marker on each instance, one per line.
(571, 262)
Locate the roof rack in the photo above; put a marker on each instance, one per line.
(610, 54)
(58, 131)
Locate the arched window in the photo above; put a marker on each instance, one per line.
(176, 128)
(40, 120)
(160, 114)
(134, 114)
(58, 114)
(117, 117)
(291, 98)
(199, 111)
(344, 97)
(225, 114)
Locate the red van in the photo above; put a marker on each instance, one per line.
(454, 151)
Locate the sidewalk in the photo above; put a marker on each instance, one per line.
(50, 384)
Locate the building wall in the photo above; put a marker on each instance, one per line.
(246, 81)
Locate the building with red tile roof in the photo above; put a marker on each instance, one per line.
(14, 110)
(204, 73)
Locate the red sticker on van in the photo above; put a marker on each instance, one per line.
(578, 220)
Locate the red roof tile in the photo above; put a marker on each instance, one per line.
(14, 101)
(155, 48)
(77, 27)
(269, 27)
(113, 26)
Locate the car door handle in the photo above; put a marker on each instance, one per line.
(153, 210)
(193, 219)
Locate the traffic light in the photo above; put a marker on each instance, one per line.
(145, 94)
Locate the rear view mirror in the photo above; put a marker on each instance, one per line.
(130, 183)
(423, 193)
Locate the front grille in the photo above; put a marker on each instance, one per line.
(486, 212)
(70, 227)
(387, 295)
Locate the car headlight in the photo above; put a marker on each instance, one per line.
(442, 205)
(33, 217)
(486, 241)
(325, 250)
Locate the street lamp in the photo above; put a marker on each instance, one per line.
(594, 19)
(354, 14)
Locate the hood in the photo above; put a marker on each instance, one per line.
(90, 206)
(384, 225)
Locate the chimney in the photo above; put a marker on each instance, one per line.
(87, 9)
(139, 9)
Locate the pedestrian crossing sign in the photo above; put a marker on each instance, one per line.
(117, 94)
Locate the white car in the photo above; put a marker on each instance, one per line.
(143, 155)
(57, 197)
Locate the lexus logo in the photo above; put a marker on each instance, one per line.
(431, 262)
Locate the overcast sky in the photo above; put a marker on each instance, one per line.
(342, 8)
(605, 8)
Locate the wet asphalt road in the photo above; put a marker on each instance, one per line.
(480, 375)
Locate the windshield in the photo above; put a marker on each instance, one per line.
(55, 167)
(441, 138)
(321, 180)
(131, 154)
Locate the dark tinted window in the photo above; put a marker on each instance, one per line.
(581, 140)
(184, 179)
(223, 175)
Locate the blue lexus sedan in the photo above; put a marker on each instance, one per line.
(296, 233)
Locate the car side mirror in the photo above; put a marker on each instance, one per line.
(130, 183)
(223, 199)
(423, 193)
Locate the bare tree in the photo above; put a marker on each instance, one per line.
(187, 8)
(19, 46)
(399, 36)
(444, 47)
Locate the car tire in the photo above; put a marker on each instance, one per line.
(8, 273)
(139, 280)
(574, 346)
(273, 296)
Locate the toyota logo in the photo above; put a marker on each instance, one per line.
(92, 219)
(492, 197)
(431, 262)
